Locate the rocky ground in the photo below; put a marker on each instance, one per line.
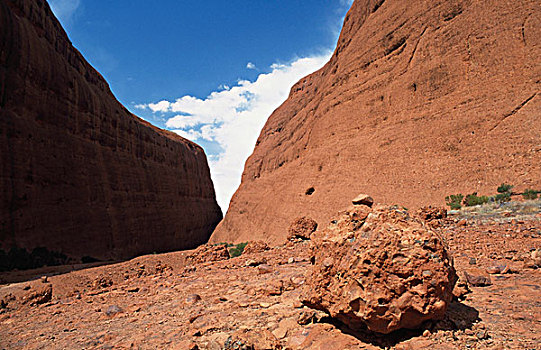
(180, 301)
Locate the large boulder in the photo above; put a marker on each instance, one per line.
(381, 269)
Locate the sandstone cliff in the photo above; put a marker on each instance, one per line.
(421, 99)
(79, 174)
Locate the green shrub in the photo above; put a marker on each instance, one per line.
(503, 197)
(474, 199)
(236, 250)
(505, 188)
(223, 243)
(530, 194)
(454, 201)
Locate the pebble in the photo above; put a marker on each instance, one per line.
(192, 299)
(113, 310)
(482, 335)
(263, 269)
(498, 269)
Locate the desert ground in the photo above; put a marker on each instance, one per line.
(202, 299)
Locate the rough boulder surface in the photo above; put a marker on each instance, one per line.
(302, 228)
(79, 174)
(255, 247)
(207, 253)
(379, 269)
(420, 100)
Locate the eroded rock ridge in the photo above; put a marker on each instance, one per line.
(420, 100)
(79, 174)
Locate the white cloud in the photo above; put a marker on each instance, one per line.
(250, 65)
(347, 3)
(233, 118)
(64, 9)
(162, 106)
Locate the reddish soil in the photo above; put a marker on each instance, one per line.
(421, 99)
(157, 301)
(79, 174)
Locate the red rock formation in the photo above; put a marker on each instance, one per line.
(421, 99)
(381, 269)
(78, 172)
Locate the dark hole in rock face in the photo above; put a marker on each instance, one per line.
(310, 191)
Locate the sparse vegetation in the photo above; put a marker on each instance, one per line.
(236, 250)
(504, 193)
(502, 197)
(530, 194)
(505, 188)
(454, 201)
(474, 199)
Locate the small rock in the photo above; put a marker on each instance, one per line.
(536, 257)
(302, 228)
(363, 199)
(274, 288)
(290, 260)
(473, 261)
(102, 282)
(284, 327)
(296, 281)
(41, 295)
(477, 280)
(297, 304)
(498, 269)
(426, 333)
(113, 310)
(44, 279)
(482, 335)
(253, 247)
(251, 340)
(462, 222)
(193, 317)
(263, 269)
(251, 262)
(306, 317)
(192, 299)
(208, 252)
(461, 290)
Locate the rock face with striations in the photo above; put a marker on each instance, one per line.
(420, 100)
(79, 174)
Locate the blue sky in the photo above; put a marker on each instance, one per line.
(212, 71)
